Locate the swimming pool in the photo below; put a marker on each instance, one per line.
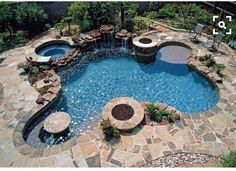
(99, 77)
(55, 50)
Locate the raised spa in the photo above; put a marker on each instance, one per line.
(55, 50)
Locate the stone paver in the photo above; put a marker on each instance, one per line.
(212, 132)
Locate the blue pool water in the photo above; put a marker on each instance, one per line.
(91, 83)
(55, 50)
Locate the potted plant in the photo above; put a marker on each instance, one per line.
(106, 128)
(115, 132)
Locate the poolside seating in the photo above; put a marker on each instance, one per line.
(196, 32)
(215, 42)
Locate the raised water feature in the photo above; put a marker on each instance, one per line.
(106, 74)
(145, 48)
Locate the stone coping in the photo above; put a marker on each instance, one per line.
(210, 132)
(124, 125)
(57, 123)
(153, 43)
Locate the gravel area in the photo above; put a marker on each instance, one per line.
(178, 159)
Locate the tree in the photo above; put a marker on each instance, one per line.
(59, 28)
(91, 15)
(31, 17)
(68, 20)
(5, 17)
(79, 12)
(128, 11)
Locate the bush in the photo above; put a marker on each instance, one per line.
(43, 90)
(219, 68)
(138, 22)
(193, 14)
(21, 37)
(160, 114)
(32, 79)
(151, 14)
(168, 11)
(207, 60)
(129, 25)
(108, 130)
(229, 160)
(151, 110)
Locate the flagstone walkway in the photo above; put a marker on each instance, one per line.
(212, 132)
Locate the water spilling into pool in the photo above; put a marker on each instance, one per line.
(91, 83)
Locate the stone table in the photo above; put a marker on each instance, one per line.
(57, 123)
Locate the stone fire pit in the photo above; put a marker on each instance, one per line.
(123, 112)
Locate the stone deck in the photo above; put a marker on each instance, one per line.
(212, 132)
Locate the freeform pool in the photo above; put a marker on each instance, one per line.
(55, 50)
(91, 83)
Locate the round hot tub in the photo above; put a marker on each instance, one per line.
(53, 49)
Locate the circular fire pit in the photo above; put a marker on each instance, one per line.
(57, 123)
(123, 112)
(145, 40)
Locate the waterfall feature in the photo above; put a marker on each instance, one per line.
(124, 43)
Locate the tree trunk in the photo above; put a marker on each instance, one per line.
(122, 15)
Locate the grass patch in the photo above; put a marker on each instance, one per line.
(229, 160)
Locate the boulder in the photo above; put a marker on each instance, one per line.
(40, 100)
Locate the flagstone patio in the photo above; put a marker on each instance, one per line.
(212, 132)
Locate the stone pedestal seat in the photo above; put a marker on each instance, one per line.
(57, 123)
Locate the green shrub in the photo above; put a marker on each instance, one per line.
(21, 37)
(151, 14)
(32, 79)
(219, 68)
(140, 24)
(109, 130)
(171, 116)
(160, 114)
(129, 25)
(43, 90)
(229, 160)
(34, 70)
(168, 11)
(151, 110)
(193, 14)
(207, 60)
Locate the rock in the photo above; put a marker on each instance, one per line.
(124, 31)
(106, 28)
(94, 34)
(209, 137)
(40, 100)
(176, 116)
